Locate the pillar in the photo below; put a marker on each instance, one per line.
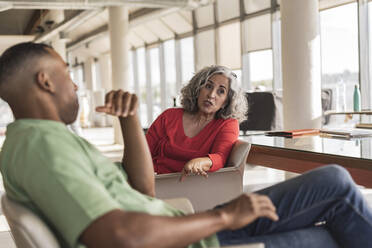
(301, 64)
(119, 28)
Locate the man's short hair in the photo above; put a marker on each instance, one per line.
(17, 56)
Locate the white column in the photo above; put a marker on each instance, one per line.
(59, 45)
(163, 90)
(105, 71)
(301, 64)
(119, 28)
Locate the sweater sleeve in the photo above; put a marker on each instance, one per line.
(154, 134)
(223, 144)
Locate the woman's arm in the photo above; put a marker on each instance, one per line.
(223, 144)
(220, 151)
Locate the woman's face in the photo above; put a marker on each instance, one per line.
(213, 94)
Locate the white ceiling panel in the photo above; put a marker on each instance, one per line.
(134, 40)
(7, 41)
(177, 23)
(93, 23)
(187, 14)
(145, 34)
(160, 29)
(204, 16)
(252, 6)
(227, 9)
(325, 4)
(257, 33)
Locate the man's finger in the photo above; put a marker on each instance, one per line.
(126, 99)
(269, 214)
(102, 109)
(118, 102)
(108, 99)
(134, 105)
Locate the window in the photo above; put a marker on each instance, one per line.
(339, 46)
(142, 85)
(6, 115)
(187, 58)
(260, 64)
(170, 72)
(155, 82)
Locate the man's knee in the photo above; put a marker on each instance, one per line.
(334, 174)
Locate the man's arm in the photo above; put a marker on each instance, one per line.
(129, 229)
(137, 158)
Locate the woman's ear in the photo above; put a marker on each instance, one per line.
(44, 82)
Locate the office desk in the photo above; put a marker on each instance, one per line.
(308, 152)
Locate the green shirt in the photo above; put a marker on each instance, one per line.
(67, 182)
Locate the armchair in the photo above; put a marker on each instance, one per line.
(29, 231)
(220, 186)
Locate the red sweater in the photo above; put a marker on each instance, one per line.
(171, 148)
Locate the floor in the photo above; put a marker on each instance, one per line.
(254, 178)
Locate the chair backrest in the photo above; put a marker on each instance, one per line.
(28, 230)
(264, 110)
(220, 186)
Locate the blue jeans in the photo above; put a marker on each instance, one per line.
(310, 207)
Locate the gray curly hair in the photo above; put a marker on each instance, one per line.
(236, 106)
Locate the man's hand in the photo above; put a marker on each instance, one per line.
(119, 103)
(198, 166)
(246, 209)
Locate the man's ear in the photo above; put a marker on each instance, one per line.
(44, 81)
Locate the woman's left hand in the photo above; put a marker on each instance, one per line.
(198, 166)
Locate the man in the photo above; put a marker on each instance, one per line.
(87, 200)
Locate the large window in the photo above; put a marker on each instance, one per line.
(261, 70)
(142, 85)
(170, 72)
(155, 82)
(339, 49)
(187, 58)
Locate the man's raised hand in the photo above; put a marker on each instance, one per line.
(119, 103)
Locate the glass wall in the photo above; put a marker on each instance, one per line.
(340, 54)
(170, 72)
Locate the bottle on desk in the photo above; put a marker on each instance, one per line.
(356, 99)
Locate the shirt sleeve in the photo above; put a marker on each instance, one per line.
(64, 188)
(223, 144)
(155, 133)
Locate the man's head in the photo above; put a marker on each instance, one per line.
(36, 83)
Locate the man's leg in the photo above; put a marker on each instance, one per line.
(325, 196)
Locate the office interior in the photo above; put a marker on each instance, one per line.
(308, 56)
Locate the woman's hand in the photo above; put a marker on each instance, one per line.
(198, 166)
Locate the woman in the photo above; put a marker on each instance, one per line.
(199, 136)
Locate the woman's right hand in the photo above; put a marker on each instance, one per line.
(198, 166)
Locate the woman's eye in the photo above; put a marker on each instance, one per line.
(221, 91)
(208, 86)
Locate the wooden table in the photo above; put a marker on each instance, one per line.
(308, 152)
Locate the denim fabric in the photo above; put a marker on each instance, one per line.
(315, 209)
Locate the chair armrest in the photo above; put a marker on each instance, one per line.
(181, 203)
